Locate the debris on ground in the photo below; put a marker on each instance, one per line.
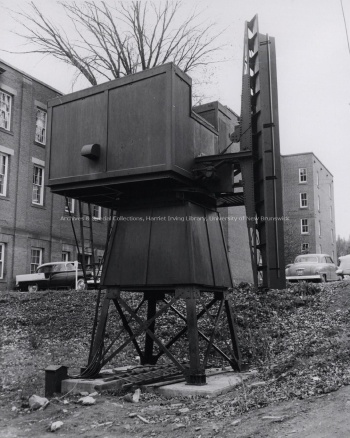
(56, 425)
(133, 398)
(143, 419)
(37, 402)
(272, 418)
(87, 401)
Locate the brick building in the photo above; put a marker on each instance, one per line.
(308, 202)
(34, 224)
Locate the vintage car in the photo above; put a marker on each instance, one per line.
(55, 275)
(344, 266)
(312, 267)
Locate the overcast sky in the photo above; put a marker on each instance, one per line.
(313, 66)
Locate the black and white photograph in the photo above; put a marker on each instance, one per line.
(174, 218)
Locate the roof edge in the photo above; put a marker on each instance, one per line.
(30, 77)
(309, 153)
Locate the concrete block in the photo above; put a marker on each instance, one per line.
(216, 385)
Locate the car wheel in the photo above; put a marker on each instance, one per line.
(81, 285)
(32, 288)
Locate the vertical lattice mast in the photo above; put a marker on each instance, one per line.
(262, 176)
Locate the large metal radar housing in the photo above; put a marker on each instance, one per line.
(137, 147)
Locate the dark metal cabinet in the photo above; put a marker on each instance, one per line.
(144, 126)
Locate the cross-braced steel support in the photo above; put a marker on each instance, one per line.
(157, 304)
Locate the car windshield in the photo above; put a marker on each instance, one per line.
(306, 259)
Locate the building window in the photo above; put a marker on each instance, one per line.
(40, 126)
(304, 226)
(302, 175)
(2, 259)
(330, 191)
(318, 203)
(331, 213)
(318, 179)
(319, 228)
(69, 207)
(303, 200)
(97, 212)
(87, 258)
(4, 164)
(5, 110)
(35, 259)
(38, 186)
(65, 256)
(332, 236)
(304, 248)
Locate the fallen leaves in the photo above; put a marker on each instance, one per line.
(297, 339)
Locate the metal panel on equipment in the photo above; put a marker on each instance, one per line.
(145, 129)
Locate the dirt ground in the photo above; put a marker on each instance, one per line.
(324, 416)
(308, 414)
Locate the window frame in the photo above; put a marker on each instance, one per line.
(307, 247)
(303, 200)
(67, 208)
(43, 111)
(304, 225)
(2, 260)
(41, 199)
(302, 175)
(99, 217)
(34, 248)
(319, 229)
(4, 193)
(9, 112)
(65, 256)
(87, 259)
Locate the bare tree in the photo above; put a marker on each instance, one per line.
(343, 246)
(114, 41)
